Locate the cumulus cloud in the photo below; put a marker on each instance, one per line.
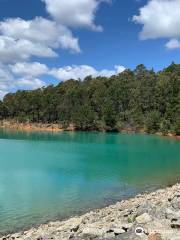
(36, 69)
(173, 44)
(74, 13)
(82, 71)
(29, 69)
(12, 50)
(6, 80)
(40, 37)
(4, 74)
(40, 30)
(9, 82)
(20, 39)
(29, 83)
(26, 75)
(160, 19)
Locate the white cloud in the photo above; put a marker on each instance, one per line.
(9, 82)
(40, 37)
(74, 13)
(25, 75)
(160, 19)
(20, 39)
(41, 31)
(29, 69)
(173, 44)
(29, 83)
(5, 75)
(2, 94)
(35, 69)
(82, 71)
(6, 80)
(12, 50)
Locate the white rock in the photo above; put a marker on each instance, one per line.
(144, 218)
(172, 213)
(175, 238)
(127, 225)
(94, 231)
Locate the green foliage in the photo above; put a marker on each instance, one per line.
(165, 126)
(175, 128)
(2, 110)
(139, 99)
(119, 126)
(131, 218)
(152, 122)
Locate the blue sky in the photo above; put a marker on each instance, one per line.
(93, 37)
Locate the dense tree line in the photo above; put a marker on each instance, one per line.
(136, 100)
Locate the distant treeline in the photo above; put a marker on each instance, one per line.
(136, 100)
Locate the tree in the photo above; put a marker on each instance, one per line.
(139, 99)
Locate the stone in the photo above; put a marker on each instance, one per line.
(94, 231)
(176, 203)
(127, 212)
(127, 226)
(118, 231)
(109, 236)
(171, 213)
(131, 236)
(144, 218)
(158, 214)
(71, 236)
(75, 228)
(16, 235)
(145, 208)
(175, 223)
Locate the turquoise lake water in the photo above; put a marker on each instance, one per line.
(46, 176)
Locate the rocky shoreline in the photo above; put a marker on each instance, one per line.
(30, 126)
(151, 216)
(54, 127)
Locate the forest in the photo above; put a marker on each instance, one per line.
(138, 100)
